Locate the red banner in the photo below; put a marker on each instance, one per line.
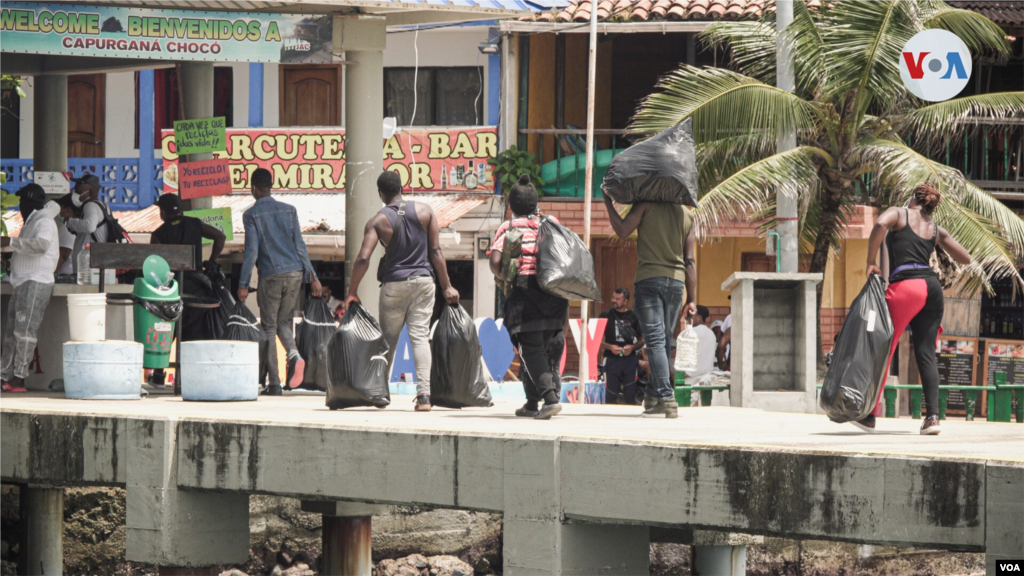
(441, 159)
(203, 178)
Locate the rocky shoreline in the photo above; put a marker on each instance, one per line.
(412, 541)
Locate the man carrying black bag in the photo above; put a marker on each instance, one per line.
(665, 270)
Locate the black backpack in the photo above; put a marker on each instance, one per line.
(115, 232)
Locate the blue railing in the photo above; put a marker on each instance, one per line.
(119, 179)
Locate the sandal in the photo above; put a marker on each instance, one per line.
(6, 387)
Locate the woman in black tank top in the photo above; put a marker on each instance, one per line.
(914, 295)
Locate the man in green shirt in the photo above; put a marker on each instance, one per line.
(665, 271)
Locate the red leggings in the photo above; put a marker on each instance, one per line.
(919, 303)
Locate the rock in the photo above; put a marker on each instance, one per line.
(450, 566)
(233, 572)
(277, 571)
(418, 560)
(284, 558)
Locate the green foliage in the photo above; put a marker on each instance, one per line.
(10, 86)
(7, 201)
(853, 119)
(510, 164)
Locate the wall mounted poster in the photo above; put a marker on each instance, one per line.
(136, 32)
(204, 178)
(1004, 356)
(219, 218)
(200, 135)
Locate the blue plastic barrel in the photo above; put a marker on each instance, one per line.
(107, 370)
(220, 370)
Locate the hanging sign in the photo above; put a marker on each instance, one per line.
(135, 32)
(219, 218)
(205, 178)
(200, 135)
(429, 159)
(53, 183)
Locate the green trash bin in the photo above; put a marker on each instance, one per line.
(156, 311)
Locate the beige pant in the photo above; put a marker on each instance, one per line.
(409, 302)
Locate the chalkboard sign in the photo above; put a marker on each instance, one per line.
(1004, 356)
(957, 359)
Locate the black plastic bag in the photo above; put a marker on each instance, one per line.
(565, 267)
(660, 169)
(243, 326)
(205, 317)
(456, 372)
(168, 311)
(357, 364)
(860, 356)
(313, 335)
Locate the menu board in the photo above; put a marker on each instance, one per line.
(957, 360)
(1004, 356)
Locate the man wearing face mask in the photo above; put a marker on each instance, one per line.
(35, 257)
(91, 226)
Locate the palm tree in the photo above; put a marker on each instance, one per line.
(854, 121)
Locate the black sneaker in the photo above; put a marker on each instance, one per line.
(931, 426)
(529, 410)
(273, 390)
(547, 411)
(662, 409)
(296, 372)
(866, 424)
(650, 402)
(422, 403)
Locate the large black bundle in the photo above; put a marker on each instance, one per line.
(456, 372)
(860, 356)
(357, 365)
(206, 315)
(313, 335)
(661, 169)
(565, 267)
(243, 325)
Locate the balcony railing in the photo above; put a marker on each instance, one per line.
(564, 176)
(119, 179)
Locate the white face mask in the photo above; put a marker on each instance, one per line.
(76, 199)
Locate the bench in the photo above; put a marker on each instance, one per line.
(684, 393)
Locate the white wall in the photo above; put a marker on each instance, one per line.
(120, 138)
(25, 125)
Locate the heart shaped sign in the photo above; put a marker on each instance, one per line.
(496, 346)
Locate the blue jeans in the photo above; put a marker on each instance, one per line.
(658, 303)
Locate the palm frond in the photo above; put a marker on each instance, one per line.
(864, 41)
(978, 32)
(723, 104)
(752, 187)
(718, 160)
(936, 124)
(989, 249)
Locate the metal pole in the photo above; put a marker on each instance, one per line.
(588, 184)
(347, 545)
(786, 201)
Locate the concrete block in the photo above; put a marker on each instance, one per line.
(343, 509)
(948, 506)
(168, 526)
(63, 450)
(531, 478)
(1004, 514)
(360, 33)
(481, 472)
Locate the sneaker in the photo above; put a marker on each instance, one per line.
(547, 411)
(7, 387)
(867, 424)
(661, 408)
(529, 410)
(931, 426)
(296, 372)
(158, 379)
(422, 403)
(650, 402)
(272, 390)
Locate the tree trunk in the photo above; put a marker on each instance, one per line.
(829, 226)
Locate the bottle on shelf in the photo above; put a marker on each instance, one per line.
(84, 272)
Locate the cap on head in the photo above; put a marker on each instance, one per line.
(65, 201)
(89, 180)
(716, 324)
(32, 194)
(170, 204)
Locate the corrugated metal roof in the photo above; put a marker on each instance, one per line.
(318, 213)
(1005, 12)
(495, 7)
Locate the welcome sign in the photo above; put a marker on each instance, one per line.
(129, 32)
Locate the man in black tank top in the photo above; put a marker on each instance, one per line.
(413, 259)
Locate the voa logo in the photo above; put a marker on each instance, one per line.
(935, 65)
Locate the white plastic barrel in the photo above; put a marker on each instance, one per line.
(220, 370)
(87, 316)
(109, 370)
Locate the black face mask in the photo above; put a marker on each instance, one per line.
(26, 211)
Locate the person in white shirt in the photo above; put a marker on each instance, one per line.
(724, 346)
(91, 226)
(706, 349)
(35, 257)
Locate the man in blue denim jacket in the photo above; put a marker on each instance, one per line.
(273, 243)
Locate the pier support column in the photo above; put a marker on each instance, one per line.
(50, 123)
(175, 528)
(719, 560)
(347, 547)
(42, 525)
(197, 99)
(1004, 509)
(536, 540)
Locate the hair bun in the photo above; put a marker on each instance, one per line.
(928, 195)
(524, 180)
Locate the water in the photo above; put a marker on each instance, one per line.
(84, 272)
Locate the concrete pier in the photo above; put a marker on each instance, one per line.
(581, 494)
